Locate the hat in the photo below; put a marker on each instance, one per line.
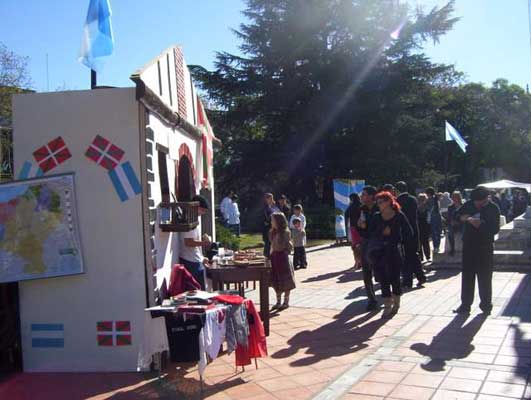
(479, 193)
(203, 203)
(297, 220)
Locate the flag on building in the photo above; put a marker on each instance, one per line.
(452, 134)
(125, 181)
(47, 335)
(207, 143)
(29, 170)
(104, 153)
(98, 40)
(52, 154)
(114, 333)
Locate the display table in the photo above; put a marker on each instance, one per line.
(223, 274)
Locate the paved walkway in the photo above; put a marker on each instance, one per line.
(327, 347)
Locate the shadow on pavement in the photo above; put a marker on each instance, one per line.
(453, 342)
(349, 336)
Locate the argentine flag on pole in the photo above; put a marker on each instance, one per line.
(98, 40)
(453, 134)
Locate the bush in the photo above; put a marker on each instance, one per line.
(226, 238)
(320, 222)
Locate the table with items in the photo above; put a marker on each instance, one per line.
(197, 326)
(240, 267)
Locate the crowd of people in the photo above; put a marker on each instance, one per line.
(390, 232)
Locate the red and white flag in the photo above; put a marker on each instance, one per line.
(114, 333)
(104, 153)
(208, 136)
(52, 154)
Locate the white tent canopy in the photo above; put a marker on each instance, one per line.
(507, 184)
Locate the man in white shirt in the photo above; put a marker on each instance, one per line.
(233, 220)
(225, 206)
(191, 247)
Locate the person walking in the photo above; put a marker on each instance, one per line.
(233, 220)
(224, 207)
(352, 216)
(412, 264)
(298, 235)
(365, 222)
(282, 276)
(481, 219)
(434, 218)
(269, 208)
(390, 234)
(424, 227)
(454, 233)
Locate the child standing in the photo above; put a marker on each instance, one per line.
(299, 242)
(298, 213)
(282, 276)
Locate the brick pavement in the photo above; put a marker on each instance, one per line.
(326, 347)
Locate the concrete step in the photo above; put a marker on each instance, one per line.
(521, 245)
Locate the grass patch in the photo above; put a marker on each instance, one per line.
(254, 240)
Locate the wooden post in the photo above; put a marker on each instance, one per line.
(93, 79)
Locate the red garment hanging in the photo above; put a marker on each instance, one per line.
(257, 339)
(181, 281)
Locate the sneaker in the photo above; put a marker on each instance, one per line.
(276, 306)
(283, 307)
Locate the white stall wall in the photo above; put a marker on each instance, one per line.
(113, 286)
(167, 244)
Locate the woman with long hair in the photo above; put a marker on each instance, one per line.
(455, 226)
(389, 233)
(352, 216)
(282, 275)
(424, 227)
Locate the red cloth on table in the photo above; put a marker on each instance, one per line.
(257, 339)
(181, 281)
(229, 299)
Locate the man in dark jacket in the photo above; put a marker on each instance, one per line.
(412, 263)
(482, 222)
(368, 209)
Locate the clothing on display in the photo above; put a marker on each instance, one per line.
(211, 336)
(181, 280)
(257, 344)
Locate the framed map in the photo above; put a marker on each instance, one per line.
(39, 231)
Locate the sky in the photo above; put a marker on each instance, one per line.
(490, 41)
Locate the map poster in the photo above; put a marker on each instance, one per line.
(39, 230)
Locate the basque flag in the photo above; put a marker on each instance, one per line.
(52, 154)
(104, 153)
(114, 333)
(47, 335)
(452, 134)
(125, 181)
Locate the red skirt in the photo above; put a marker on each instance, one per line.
(282, 275)
(355, 236)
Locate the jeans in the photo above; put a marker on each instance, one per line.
(412, 265)
(235, 228)
(436, 230)
(267, 243)
(197, 269)
(367, 274)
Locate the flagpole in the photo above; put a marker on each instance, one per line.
(93, 79)
(446, 165)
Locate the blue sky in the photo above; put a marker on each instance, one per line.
(490, 41)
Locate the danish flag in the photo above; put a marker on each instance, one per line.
(104, 153)
(114, 333)
(52, 154)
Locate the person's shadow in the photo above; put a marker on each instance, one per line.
(453, 342)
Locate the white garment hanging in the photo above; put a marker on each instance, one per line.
(211, 336)
(154, 340)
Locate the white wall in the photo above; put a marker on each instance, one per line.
(113, 286)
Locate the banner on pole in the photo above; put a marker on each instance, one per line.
(343, 188)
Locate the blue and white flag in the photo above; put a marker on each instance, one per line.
(453, 134)
(125, 181)
(29, 171)
(98, 40)
(47, 335)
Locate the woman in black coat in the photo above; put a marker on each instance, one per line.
(390, 232)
